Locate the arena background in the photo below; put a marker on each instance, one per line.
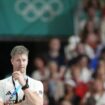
(66, 40)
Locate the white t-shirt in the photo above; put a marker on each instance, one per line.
(100, 100)
(7, 89)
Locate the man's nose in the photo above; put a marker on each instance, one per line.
(21, 62)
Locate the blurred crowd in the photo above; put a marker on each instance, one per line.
(77, 76)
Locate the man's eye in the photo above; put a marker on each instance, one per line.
(24, 60)
(18, 60)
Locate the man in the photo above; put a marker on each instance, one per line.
(20, 89)
(54, 54)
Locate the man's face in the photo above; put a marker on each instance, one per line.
(20, 62)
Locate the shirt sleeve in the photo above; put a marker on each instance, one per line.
(38, 88)
(2, 93)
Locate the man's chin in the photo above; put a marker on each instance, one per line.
(22, 70)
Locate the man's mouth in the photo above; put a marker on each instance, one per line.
(21, 67)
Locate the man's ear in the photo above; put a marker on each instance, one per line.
(11, 60)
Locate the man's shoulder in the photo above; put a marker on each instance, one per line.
(34, 81)
(4, 82)
(6, 79)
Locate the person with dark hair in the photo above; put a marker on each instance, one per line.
(91, 101)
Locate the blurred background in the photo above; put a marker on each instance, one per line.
(66, 39)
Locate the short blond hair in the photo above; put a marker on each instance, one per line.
(20, 49)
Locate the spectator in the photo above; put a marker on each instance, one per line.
(95, 62)
(88, 29)
(41, 73)
(91, 44)
(100, 72)
(55, 55)
(48, 99)
(81, 87)
(69, 93)
(55, 83)
(98, 94)
(54, 52)
(85, 72)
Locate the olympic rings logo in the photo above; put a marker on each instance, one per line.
(32, 10)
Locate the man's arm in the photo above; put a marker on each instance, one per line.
(32, 98)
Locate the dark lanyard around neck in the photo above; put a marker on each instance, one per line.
(15, 90)
(16, 101)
